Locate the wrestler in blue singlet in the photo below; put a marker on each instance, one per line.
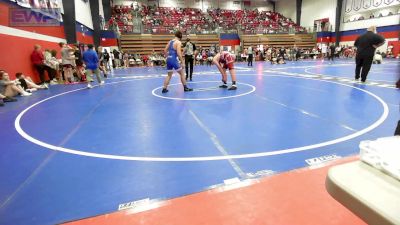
(173, 63)
(172, 59)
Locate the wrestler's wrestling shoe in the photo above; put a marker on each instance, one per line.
(187, 89)
(232, 88)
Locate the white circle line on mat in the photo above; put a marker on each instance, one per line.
(203, 99)
(382, 118)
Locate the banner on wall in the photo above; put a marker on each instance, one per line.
(24, 3)
(358, 6)
(51, 8)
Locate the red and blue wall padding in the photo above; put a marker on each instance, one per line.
(351, 35)
(84, 34)
(229, 39)
(108, 38)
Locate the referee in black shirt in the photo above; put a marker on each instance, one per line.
(366, 45)
(189, 49)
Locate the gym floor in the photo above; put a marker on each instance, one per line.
(69, 152)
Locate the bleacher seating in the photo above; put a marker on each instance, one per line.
(144, 44)
(164, 20)
(159, 23)
(278, 40)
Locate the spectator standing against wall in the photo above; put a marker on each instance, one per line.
(68, 61)
(366, 45)
(189, 50)
(250, 56)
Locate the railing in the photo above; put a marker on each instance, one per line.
(142, 29)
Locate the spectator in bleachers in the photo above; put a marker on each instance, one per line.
(38, 61)
(163, 20)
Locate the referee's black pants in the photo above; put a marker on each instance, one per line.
(189, 65)
(364, 63)
(250, 60)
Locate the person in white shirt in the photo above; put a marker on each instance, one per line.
(324, 50)
(250, 56)
(377, 58)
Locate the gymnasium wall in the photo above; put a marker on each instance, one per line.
(287, 8)
(315, 10)
(101, 10)
(388, 26)
(84, 34)
(82, 13)
(17, 42)
(262, 5)
(351, 7)
(390, 33)
(84, 23)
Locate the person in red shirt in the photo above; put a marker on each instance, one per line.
(37, 59)
(225, 60)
